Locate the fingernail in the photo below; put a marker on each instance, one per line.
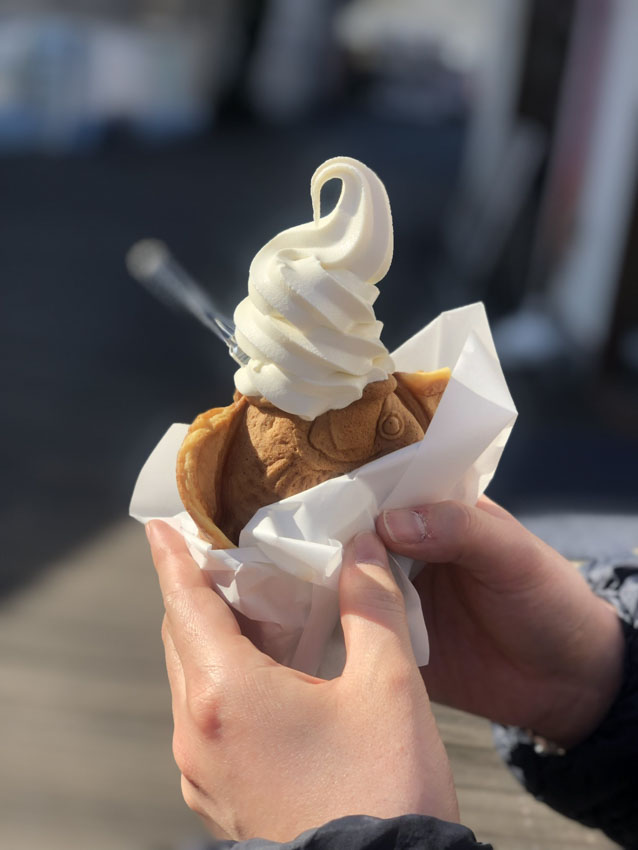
(405, 526)
(368, 549)
(149, 528)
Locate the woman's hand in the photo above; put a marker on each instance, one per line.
(516, 634)
(267, 751)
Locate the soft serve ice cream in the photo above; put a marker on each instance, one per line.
(308, 324)
(318, 397)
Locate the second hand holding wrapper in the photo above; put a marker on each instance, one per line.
(317, 401)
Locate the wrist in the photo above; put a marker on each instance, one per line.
(584, 696)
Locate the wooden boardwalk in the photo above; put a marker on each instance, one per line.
(85, 722)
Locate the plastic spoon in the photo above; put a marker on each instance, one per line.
(152, 264)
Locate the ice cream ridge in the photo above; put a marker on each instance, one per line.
(319, 396)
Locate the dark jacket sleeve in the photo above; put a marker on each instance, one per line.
(595, 782)
(359, 832)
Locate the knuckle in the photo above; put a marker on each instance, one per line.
(205, 706)
(192, 796)
(399, 678)
(164, 630)
(184, 602)
(458, 526)
(378, 596)
(175, 602)
(183, 753)
(460, 516)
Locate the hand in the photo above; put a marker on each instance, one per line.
(516, 634)
(267, 751)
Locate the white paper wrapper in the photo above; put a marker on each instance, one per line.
(285, 573)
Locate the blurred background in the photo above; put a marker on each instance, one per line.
(506, 133)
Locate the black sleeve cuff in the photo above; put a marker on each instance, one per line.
(360, 832)
(595, 782)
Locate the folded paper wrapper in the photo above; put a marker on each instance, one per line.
(285, 573)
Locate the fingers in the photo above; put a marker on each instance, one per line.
(173, 668)
(202, 627)
(486, 504)
(372, 608)
(176, 569)
(484, 538)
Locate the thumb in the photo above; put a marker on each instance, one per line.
(373, 614)
(486, 540)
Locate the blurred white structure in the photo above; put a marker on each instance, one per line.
(492, 126)
(458, 30)
(478, 41)
(293, 67)
(64, 78)
(583, 287)
(583, 226)
(424, 59)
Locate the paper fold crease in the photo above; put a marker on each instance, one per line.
(285, 573)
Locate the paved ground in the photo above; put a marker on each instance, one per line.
(86, 726)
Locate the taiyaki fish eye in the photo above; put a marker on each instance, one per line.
(391, 427)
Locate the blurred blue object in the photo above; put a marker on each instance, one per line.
(41, 64)
(586, 536)
(65, 80)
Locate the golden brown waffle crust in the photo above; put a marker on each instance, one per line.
(212, 427)
(202, 457)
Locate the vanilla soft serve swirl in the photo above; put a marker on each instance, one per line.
(307, 324)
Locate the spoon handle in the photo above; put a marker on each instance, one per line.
(152, 264)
